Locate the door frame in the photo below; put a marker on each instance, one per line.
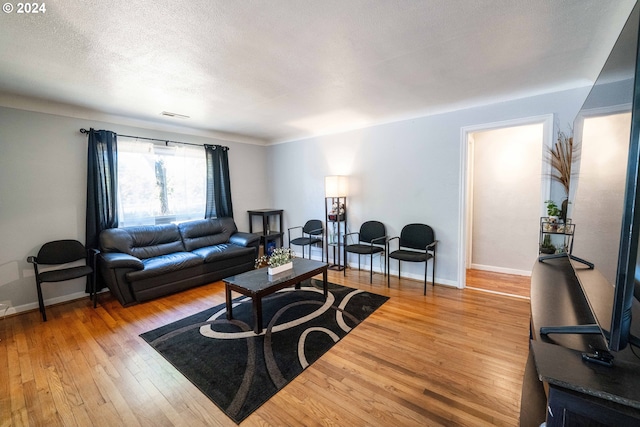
(466, 184)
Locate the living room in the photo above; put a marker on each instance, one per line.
(405, 168)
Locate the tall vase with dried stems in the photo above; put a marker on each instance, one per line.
(561, 156)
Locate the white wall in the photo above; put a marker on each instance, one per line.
(43, 192)
(401, 172)
(506, 198)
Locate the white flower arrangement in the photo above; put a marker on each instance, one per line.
(279, 256)
(337, 209)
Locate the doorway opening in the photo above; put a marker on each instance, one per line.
(505, 184)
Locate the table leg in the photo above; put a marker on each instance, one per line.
(227, 292)
(324, 281)
(257, 314)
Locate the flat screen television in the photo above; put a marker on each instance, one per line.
(604, 194)
(625, 66)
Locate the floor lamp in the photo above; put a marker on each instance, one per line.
(335, 204)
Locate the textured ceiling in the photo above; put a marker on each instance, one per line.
(286, 69)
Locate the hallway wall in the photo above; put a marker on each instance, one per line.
(507, 166)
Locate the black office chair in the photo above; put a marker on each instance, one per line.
(312, 234)
(61, 252)
(416, 243)
(372, 234)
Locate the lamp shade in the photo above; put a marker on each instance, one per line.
(335, 186)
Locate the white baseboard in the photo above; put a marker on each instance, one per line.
(405, 275)
(316, 253)
(51, 301)
(418, 277)
(376, 269)
(500, 270)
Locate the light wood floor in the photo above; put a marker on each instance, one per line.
(499, 282)
(452, 357)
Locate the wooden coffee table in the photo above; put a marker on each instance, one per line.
(258, 284)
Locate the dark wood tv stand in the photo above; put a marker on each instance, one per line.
(559, 387)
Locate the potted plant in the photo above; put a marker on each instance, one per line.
(552, 209)
(547, 247)
(553, 213)
(281, 259)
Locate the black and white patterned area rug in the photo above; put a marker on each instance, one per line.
(239, 370)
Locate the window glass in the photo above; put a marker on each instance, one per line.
(159, 184)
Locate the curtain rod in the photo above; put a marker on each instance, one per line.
(166, 141)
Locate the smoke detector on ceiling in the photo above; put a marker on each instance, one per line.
(174, 115)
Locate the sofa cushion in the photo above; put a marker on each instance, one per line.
(164, 264)
(145, 241)
(223, 251)
(206, 232)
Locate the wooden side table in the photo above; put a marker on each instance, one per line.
(268, 235)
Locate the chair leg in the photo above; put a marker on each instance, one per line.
(371, 269)
(386, 265)
(433, 271)
(344, 253)
(426, 263)
(41, 301)
(344, 271)
(388, 273)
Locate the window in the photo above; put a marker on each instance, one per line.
(159, 184)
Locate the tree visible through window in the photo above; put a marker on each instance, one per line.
(159, 184)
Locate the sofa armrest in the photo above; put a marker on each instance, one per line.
(245, 239)
(113, 267)
(120, 260)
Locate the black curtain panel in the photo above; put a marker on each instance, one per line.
(218, 184)
(102, 187)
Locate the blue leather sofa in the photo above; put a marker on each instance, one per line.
(146, 262)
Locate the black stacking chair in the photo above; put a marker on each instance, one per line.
(372, 239)
(312, 234)
(416, 243)
(62, 252)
